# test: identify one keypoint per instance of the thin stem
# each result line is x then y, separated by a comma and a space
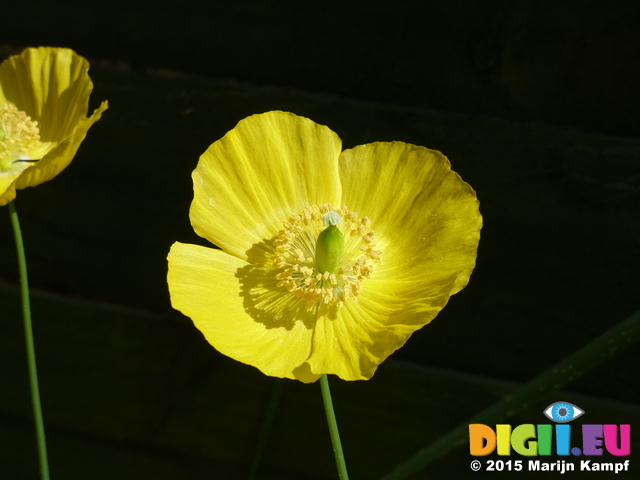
31, 352
333, 428
276, 393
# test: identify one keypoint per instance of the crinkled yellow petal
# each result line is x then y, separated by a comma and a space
7, 180
352, 343
427, 223
55, 161
52, 86
425, 216
250, 181
239, 310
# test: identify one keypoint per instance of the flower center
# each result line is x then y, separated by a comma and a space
323, 255
20, 142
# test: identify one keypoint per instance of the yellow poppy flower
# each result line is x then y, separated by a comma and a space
44, 99
289, 294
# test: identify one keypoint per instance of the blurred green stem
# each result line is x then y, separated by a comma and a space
562, 373
31, 352
276, 393
333, 428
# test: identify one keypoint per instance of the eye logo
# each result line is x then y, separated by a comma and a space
562, 412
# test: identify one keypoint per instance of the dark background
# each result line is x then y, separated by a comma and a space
536, 104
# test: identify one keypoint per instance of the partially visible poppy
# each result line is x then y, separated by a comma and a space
44, 99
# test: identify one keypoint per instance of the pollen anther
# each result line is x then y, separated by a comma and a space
20, 143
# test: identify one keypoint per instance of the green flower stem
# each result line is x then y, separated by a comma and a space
276, 393
31, 352
333, 428
562, 373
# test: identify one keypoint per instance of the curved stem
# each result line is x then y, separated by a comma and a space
333, 428
31, 352
567, 370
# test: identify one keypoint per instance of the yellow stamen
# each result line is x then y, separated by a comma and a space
20, 143
296, 252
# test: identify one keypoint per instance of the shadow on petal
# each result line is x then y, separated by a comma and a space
262, 253
267, 303
304, 373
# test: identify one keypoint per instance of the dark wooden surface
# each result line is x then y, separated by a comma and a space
131, 390
129, 394
558, 61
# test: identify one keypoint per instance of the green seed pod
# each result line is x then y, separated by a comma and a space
330, 245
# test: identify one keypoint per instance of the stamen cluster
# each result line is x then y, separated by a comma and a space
295, 256
19, 136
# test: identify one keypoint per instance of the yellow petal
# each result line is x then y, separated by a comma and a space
355, 341
7, 180
249, 182
239, 310
51, 85
425, 216
55, 161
